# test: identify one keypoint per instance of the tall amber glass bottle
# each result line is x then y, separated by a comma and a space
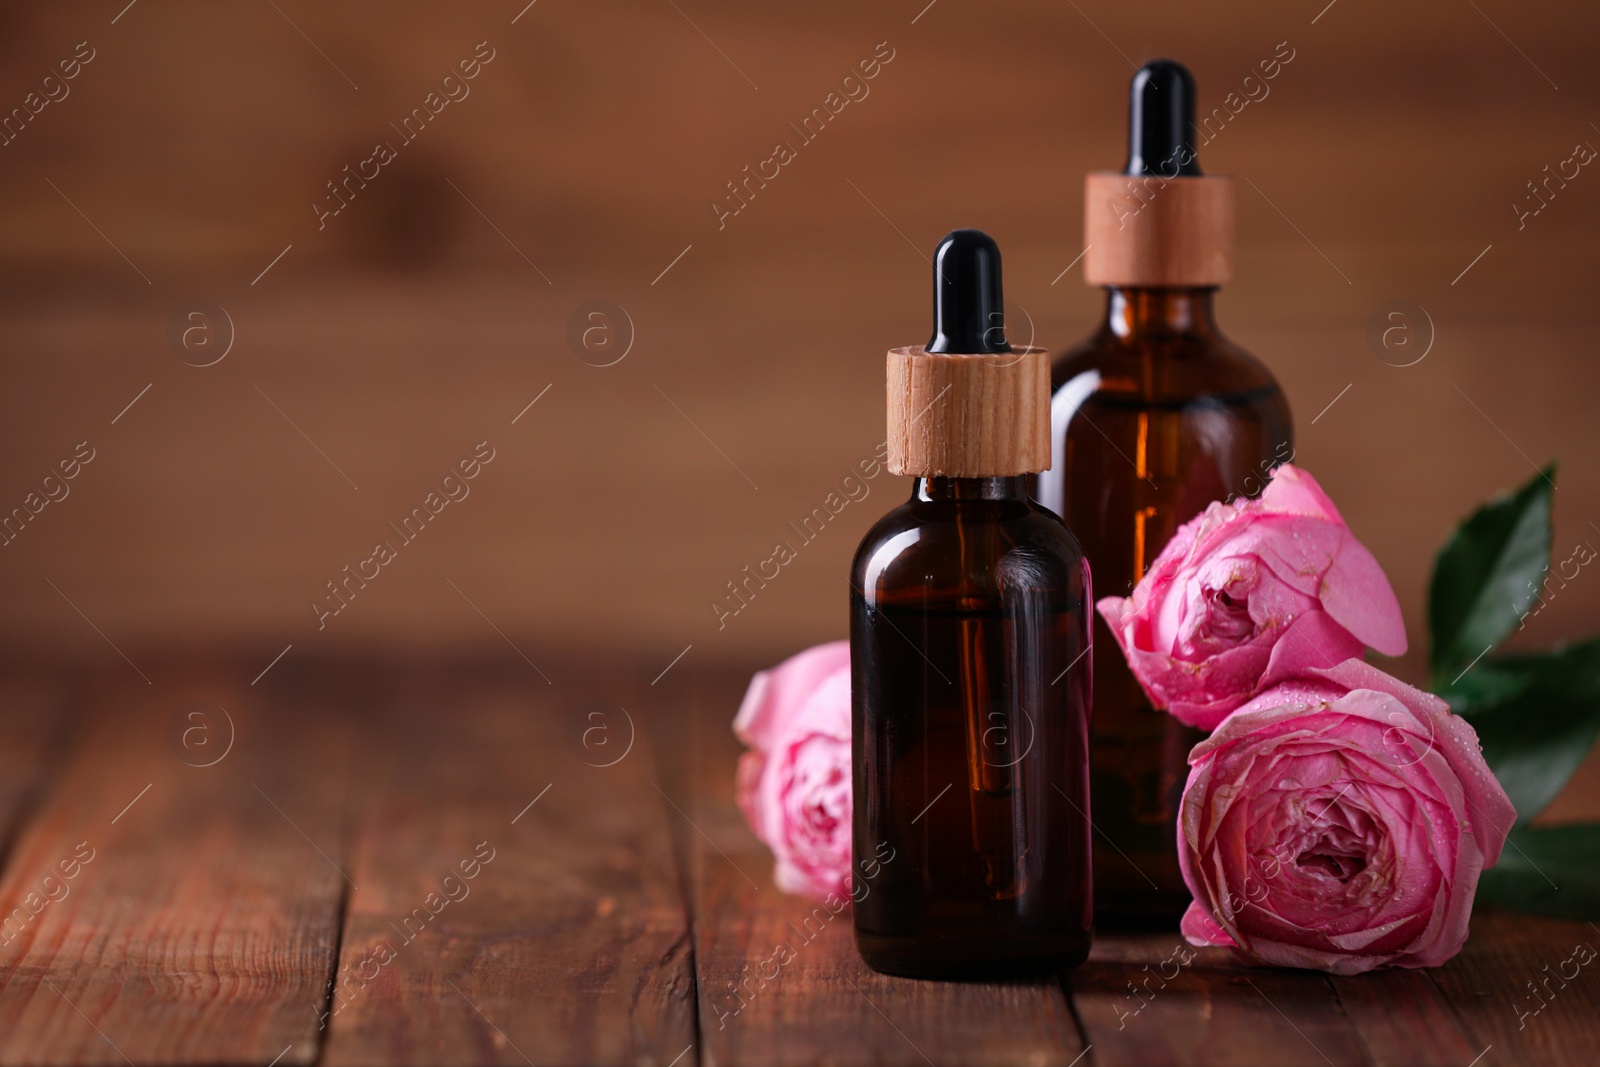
969, 640
1152, 418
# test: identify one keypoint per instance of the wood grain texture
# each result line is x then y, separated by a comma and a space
179, 913
1503, 973
408, 329
1404, 1020
196, 921
1158, 232
518, 900
823, 1005
1141, 1004
969, 416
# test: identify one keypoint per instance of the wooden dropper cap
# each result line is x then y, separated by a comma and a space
967, 404
1160, 223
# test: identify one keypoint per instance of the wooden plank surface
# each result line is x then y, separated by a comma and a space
1152, 999
824, 1005
200, 908
1517, 993
176, 913
1405, 1020
518, 900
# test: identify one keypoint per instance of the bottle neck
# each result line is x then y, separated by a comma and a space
1133, 313
1006, 487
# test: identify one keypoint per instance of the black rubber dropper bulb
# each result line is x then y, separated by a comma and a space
968, 305
1160, 118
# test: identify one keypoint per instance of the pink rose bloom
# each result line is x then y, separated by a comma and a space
1246, 595
1340, 822
794, 785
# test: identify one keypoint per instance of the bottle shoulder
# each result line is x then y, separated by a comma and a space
977, 546
1164, 368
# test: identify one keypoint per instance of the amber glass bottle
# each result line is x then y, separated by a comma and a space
969, 640
1153, 417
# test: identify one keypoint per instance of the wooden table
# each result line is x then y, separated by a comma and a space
459, 862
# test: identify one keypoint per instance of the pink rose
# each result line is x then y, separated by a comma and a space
794, 786
1339, 821
1246, 595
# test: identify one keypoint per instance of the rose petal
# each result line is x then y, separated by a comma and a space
1199, 928
1357, 594
1294, 492
1248, 594
794, 785
775, 695
1340, 821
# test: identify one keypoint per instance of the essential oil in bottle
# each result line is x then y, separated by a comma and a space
1153, 417
969, 647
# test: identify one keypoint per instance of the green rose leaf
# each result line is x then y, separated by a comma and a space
1490, 683
1537, 738
1552, 870
1487, 575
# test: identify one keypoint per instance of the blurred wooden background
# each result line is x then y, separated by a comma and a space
376, 352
